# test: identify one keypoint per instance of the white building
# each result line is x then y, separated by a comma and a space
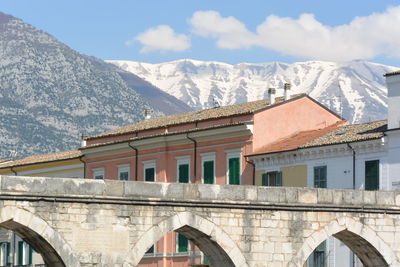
361, 156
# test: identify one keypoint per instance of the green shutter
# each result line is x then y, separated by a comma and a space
149, 175
183, 243
234, 171
184, 173
8, 250
30, 255
20, 252
278, 178
372, 175
264, 181
208, 172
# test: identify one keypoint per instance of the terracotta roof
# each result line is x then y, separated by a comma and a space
335, 134
392, 73
166, 134
297, 140
194, 116
188, 117
72, 154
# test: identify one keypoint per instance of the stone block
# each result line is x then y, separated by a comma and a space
307, 196
325, 195
385, 198
272, 194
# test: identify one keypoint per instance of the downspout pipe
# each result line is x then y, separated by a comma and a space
194, 157
354, 164
136, 160
12, 170
84, 165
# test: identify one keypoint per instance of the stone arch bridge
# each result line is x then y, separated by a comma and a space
80, 223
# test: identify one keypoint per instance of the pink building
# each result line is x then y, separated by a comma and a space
207, 146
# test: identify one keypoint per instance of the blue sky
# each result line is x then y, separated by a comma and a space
220, 30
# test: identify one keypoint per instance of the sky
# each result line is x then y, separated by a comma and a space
231, 31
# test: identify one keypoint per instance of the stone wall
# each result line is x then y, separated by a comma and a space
77, 222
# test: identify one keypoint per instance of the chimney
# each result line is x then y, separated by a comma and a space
393, 85
271, 95
147, 113
286, 88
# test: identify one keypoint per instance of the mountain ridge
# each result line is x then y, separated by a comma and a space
355, 89
50, 94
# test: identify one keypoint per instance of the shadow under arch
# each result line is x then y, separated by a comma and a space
219, 248
55, 251
362, 240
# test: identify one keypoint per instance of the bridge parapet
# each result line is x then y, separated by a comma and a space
199, 194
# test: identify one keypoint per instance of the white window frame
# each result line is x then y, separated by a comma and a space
230, 154
148, 164
208, 156
98, 172
182, 160
124, 168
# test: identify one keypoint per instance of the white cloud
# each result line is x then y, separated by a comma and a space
161, 38
363, 38
229, 32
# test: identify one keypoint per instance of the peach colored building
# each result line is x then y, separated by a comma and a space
207, 146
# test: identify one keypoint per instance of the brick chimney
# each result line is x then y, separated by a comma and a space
271, 95
147, 113
393, 85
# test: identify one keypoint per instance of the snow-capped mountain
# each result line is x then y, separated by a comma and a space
50, 94
356, 89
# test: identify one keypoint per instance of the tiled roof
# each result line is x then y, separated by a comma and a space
392, 73
188, 117
335, 134
297, 140
165, 134
351, 133
194, 116
64, 155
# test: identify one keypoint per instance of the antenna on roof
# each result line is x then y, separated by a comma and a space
215, 102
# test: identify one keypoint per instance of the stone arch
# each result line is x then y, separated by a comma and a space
361, 239
40, 235
212, 240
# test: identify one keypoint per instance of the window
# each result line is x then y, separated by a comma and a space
233, 163
150, 250
123, 172
183, 170
98, 173
182, 243
319, 255
4, 253
24, 253
320, 177
372, 175
272, 178
208, 168
149, 171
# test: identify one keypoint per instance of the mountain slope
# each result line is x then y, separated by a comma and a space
50, 94
356, 89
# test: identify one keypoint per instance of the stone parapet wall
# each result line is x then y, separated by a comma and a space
89, 223
217, 194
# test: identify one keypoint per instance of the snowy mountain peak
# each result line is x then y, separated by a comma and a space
355, 89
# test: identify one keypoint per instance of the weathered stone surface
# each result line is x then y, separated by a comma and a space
113, 223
